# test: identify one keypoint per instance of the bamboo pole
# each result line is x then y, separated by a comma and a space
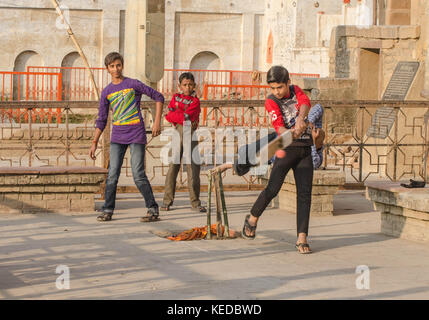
79, 49
209, 205
218, 207
225, 213
106, 135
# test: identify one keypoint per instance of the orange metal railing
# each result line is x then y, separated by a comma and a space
169, 85
37, 86
29, 86
76, 81
234, 116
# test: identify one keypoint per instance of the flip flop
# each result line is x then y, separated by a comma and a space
248, 227
303, 245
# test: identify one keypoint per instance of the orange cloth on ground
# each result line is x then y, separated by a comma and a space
195, 233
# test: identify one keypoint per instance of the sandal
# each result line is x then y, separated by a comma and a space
152, 216
105, 216
303, 245
165, 208
248, 227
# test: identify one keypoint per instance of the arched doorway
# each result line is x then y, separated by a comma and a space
22, 84
73, 77
205, 60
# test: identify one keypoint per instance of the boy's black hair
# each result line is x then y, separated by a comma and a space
278, 74
111, 57
186, 75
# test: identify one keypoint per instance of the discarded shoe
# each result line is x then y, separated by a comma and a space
414, 184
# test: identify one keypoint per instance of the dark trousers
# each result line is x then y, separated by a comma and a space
299, 160
193, 171
117, 153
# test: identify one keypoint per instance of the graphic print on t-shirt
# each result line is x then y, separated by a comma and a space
123, 104
289, 111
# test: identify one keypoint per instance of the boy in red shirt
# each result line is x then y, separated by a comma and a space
184, 106
288, 107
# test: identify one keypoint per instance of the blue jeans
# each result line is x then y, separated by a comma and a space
117, 153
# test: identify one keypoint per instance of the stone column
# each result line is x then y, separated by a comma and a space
247, 41
425, 40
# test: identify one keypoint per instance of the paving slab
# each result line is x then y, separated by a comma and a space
123, 259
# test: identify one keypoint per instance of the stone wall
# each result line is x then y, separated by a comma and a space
391, 43
49, 189
230, 30
33, 26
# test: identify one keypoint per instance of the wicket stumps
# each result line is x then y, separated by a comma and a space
215, 182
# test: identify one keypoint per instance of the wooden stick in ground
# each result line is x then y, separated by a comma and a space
222, 198
79, 49
209, 210
218, 207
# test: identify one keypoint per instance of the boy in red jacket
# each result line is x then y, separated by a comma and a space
184, 106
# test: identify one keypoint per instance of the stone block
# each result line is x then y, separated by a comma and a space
75, 196
11, 196
395, 4
24, 179
36, 179
49, 196
370, 44
32, 189
57, 188
87, 196
37, 196
82, 205
74, 178
58, 205
409, 32
389, 32
87, 178
2, 179
61, 179
387, 44
11, 180
398, 17
9, 188
48, 179
87, 188
36, 204
61, 196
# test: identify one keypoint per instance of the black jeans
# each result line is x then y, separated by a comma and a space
299, 160
117, 153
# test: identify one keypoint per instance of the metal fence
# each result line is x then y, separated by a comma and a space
348, 146
76, 83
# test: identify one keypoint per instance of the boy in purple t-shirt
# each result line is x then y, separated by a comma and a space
123, 96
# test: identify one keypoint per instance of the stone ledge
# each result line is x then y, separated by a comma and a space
404, 211
380, 32
392, 193
49, 170
48, 189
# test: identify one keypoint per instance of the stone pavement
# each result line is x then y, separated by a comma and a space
122, 259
